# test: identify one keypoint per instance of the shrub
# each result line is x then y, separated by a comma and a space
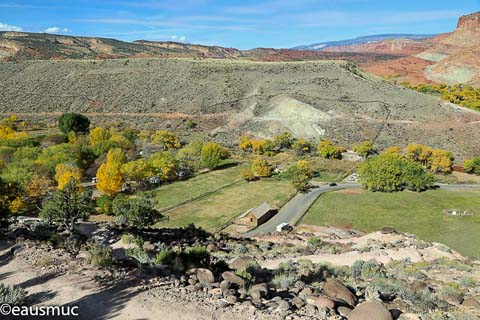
368, 269
12, 295
197, 256
139, 254
314, 242
136, 212
73, 122
247, 174
104, 204
284, 280
165, 257
101, 256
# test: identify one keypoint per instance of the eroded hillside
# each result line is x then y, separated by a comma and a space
228, 98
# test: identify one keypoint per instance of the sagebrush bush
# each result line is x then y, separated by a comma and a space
12, 295
165, 257
139, 254
284, 280
101, 256
314, 242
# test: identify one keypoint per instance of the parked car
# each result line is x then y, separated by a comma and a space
332, 184
94, 180
284, 227
154, 180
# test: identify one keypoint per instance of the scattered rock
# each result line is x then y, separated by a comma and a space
324, 303
203, 275
370, 310
344, 311
233, 278
242, 263
336, 289
471, 303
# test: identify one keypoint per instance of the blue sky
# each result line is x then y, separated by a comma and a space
242, 24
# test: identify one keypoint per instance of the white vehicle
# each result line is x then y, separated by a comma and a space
284, 227
94, 180
154, 180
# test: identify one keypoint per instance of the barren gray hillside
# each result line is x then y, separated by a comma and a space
311, 99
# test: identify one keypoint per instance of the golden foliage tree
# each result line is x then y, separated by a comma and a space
99, 135
442, 161
245, 143
167, 139
419, 153
137, 170
211, 154
65, 171
109, 174
262, 168
304, 167
164, 165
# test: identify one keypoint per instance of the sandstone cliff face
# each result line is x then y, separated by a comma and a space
395, 46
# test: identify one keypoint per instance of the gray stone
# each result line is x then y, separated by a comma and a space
242, 263
233, 278
336, 289
471, 303
370, 310
232, 299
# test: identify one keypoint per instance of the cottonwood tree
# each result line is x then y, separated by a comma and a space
211, 154
109, 174
261, 168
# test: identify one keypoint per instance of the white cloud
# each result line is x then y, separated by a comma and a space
56, 30
7, 27
178, 38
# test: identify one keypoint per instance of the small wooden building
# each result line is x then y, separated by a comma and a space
256, 216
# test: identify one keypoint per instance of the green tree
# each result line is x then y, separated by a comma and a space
283, 141
365, 149
389, 173
67, 206
164, 165
328, 150
472, 165
135, 212
73, 122
211, 154
299, 176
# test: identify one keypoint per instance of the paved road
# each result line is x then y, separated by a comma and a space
298, 206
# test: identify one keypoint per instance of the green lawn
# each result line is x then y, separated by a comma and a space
215, 210
177, 192
417, 213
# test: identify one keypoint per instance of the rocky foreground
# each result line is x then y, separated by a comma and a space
312, 273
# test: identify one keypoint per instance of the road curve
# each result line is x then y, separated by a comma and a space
298, 206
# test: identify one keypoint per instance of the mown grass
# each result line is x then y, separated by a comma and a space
215, 210
417, 213
171, 194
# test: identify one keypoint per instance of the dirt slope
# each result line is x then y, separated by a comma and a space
228, 98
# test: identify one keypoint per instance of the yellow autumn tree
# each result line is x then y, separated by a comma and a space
394, 150
65, 171
137, 170
167, 139
261, 168
419, 153
99, 135
442, 161
304, 167
245, 143
109, 174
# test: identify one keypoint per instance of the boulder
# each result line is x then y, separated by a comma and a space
233, 278
344, 311
204, 276
261, 287
242, 263
370, 310
323, 302
225, 285
337, 290
471, 303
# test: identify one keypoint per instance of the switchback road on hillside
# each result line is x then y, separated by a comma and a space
294, 210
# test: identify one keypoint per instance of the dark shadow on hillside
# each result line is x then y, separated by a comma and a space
39, 280
5, 275
6, 257
41, 297
105, 304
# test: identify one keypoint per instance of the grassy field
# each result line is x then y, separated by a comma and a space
215, 210
417, 213
175, 193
